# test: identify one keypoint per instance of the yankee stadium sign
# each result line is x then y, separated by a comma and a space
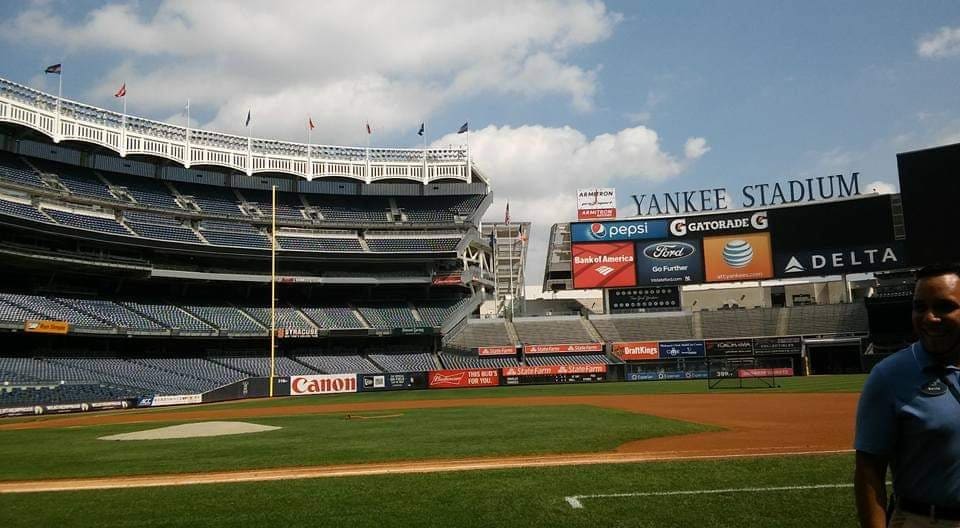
760, 195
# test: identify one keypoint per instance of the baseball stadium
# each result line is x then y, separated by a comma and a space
203, 329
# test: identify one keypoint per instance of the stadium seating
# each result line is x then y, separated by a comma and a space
11, 208
338, 363
566, 359
456, 361
388, 314
61, 394
412, 245
350, 209
50, 309
663, 326
14, 170
170, 316
333, 317
556, 330
77, 180
113, 313
212, 199
226, 318
146, 191
314, 243
97, 224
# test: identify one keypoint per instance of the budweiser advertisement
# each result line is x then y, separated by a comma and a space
323, 384
452, 379
554, 370
637, 350
497, 351
593, 204
563, 349
604, 265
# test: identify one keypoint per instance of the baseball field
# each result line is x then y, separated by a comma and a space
617, 454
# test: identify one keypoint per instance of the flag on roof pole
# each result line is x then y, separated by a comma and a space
420, 132
54, 68
506, 214
464, 128
369, 130
248, 119
122, 92
310, 123
493, 236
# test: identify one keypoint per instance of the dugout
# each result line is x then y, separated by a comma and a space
834, 355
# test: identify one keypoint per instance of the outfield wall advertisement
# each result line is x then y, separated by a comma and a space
509, 350
460, 378
323, 384
393, 381
575, 348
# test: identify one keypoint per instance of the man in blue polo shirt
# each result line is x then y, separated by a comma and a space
908, 417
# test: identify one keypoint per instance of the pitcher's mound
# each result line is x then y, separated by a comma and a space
193, 430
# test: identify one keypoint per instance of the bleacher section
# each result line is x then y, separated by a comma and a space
556, 330
567, 359
639, 328
456, 361
338, 363
827, 319
97, 224
479, 333
740, 323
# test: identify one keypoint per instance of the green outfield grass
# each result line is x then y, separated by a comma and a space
508, 498
324, 439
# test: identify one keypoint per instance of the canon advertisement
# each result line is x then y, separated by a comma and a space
323, 384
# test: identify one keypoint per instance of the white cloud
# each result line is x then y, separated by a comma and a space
539, 169
695, 148
394, 62
879, 187
942, 44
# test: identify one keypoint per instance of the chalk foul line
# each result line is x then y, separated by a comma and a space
576, 501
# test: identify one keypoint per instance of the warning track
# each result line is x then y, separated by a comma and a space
754, 425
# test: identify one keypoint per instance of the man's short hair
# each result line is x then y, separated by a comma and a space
935, 270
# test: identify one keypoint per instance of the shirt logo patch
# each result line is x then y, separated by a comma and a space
933, 388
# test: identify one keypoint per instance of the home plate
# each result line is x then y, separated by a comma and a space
193, 430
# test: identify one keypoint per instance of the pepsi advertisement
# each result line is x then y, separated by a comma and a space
618, 231
669, 262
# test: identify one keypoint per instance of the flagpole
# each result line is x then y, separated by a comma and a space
309, 151
425, 175
469, 165
249, 148
369, 133
56, 137
123, 125
273, 286
187, 156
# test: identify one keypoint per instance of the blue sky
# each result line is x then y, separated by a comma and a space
644, 97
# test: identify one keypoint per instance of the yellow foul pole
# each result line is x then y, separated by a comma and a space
273, 288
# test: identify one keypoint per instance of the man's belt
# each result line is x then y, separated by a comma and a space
949, 513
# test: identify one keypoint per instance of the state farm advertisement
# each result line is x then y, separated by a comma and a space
497, 351
323, 384
593, 204
637, 350
554, 370
563, 349
604, 265
452, 379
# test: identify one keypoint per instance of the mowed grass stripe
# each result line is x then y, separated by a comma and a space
327, 439
522, 497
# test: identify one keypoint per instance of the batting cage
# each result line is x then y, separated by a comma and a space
748, 372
